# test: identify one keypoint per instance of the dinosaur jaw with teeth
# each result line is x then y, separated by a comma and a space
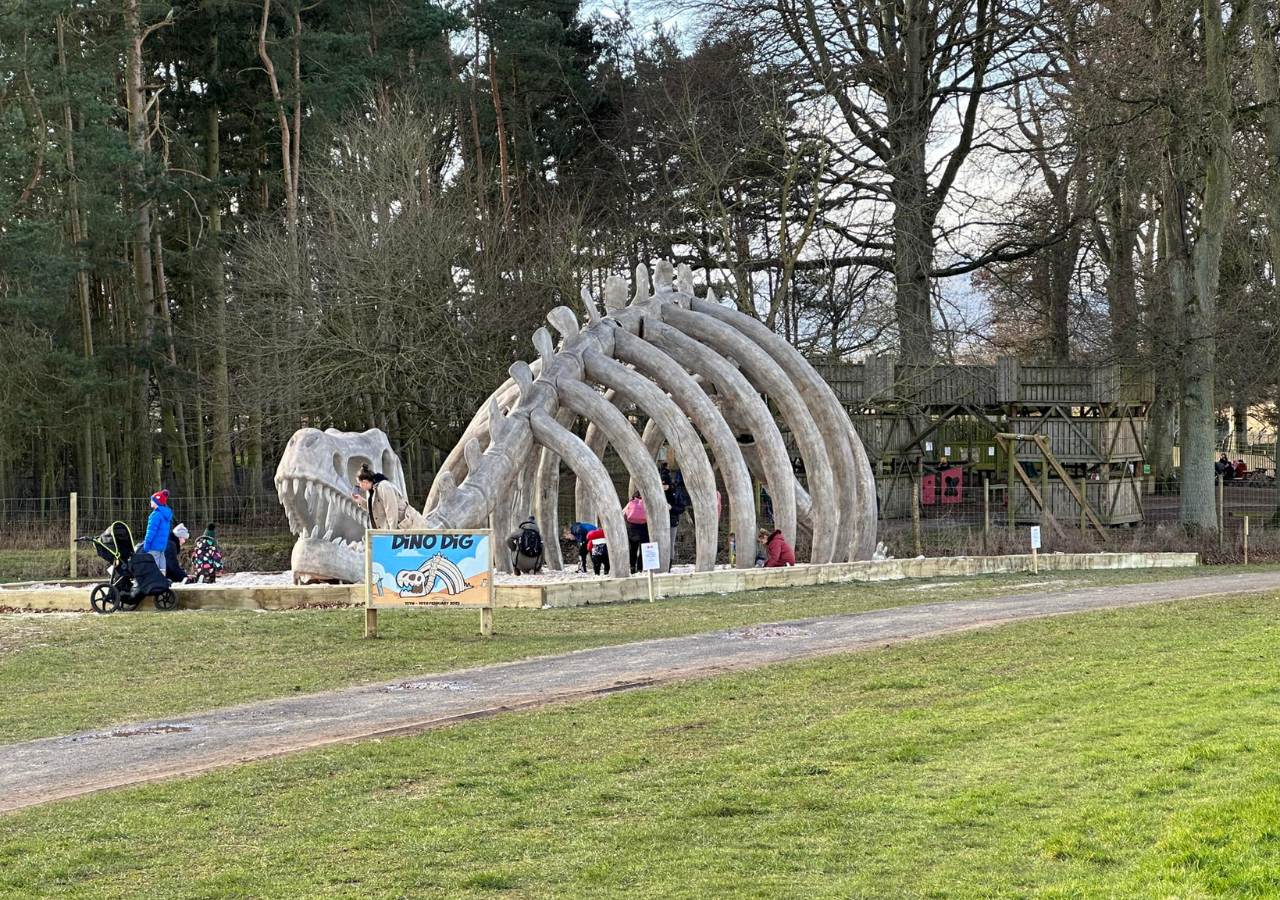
314, 481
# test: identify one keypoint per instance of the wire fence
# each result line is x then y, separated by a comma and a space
36, 534
972, 520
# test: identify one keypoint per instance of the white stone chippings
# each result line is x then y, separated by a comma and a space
499, 449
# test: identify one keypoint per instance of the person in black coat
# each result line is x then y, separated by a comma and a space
173, 568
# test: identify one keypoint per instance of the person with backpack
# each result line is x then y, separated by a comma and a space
598, 549
525, 543
637, 528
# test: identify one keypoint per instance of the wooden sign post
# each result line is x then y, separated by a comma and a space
428, 569
1035, 549
650, 563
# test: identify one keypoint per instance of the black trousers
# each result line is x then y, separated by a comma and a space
637, 534
600, 563
582, 556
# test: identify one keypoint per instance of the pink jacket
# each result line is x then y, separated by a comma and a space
633, 512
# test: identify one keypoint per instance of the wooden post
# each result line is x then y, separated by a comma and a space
486, 621
650, 574
71, 544
1246, 540
916, 537
986, 505
1221, 481
1010, 448
370, 623
1084, 510
1035, 562
1044, 489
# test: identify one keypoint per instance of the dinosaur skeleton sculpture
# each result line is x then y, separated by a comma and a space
697, 370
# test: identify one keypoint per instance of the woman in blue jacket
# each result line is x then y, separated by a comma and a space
156, 540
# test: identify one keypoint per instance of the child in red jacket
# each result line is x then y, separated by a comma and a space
777, 551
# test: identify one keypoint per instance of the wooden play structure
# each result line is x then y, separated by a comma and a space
1047, 444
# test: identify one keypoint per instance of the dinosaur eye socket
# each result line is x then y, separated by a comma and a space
337, 465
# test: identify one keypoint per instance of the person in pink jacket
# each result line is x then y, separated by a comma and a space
637, 528
777, 551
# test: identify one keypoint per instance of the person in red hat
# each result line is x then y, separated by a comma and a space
157, 537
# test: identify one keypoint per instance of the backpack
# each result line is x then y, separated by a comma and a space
529, 543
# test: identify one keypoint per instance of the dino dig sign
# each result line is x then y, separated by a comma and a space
421, 569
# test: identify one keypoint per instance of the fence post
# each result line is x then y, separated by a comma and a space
71, 544
1246, 540
916, 484
986, 505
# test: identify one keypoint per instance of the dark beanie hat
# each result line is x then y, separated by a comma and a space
209, 529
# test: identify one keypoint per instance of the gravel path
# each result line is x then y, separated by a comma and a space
51, 769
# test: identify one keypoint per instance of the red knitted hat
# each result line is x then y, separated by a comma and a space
161, 498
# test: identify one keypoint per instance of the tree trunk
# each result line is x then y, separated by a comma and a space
913, 245
1122, 282
85, 462
221, 475
1240, 423
135, 91
1194, 269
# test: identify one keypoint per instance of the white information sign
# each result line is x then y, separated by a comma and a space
649, 557
1035, 537
928, 446
946, 451
991, 451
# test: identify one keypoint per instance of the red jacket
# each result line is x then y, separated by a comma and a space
592, 536
779, 552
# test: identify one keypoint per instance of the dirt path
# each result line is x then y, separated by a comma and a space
57, 768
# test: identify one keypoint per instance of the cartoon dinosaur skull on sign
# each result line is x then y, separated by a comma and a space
314, 480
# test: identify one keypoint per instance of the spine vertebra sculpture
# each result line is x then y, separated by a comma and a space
698, 371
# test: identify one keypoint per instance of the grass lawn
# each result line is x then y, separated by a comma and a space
1118, 753
64, 673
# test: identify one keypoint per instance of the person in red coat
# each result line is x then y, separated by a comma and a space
598, 550
777, 551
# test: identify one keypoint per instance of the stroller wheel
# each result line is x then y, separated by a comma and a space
104, 599
166, 600
127, 603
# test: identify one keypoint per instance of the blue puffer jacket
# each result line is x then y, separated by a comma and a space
158, 523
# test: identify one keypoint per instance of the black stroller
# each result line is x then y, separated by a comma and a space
131, 574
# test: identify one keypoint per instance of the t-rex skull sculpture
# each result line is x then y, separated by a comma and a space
700, 373
314, 480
